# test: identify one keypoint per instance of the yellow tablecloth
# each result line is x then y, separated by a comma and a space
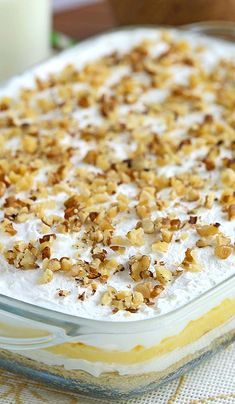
212, 382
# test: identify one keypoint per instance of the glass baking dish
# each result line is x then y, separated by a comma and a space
60, 349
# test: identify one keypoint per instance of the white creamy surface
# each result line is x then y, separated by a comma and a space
23, 285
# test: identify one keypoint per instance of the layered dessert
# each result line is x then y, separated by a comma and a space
117, 202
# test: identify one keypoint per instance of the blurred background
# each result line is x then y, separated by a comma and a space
86, 17
82, 18
62, 4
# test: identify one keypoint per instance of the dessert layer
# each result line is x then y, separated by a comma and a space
191, 333
197, 335
117, 176
121, 383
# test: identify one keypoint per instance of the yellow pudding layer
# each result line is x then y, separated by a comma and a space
191, 333
14, 331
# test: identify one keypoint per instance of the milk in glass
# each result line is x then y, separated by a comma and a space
24, 34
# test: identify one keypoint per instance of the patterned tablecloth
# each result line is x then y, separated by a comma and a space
212, 382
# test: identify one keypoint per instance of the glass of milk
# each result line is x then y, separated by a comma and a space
24, 34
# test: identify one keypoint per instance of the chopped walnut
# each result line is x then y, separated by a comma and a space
148, 226
82, 296
228, 177
64, 293
149, 290
29, 144
65, 264
208, 230
231, 211
192, 195
139, 267
136, 237
193, 219
122, 300
163, 275
46, 252
99, 253
221, 239
209, 200
166, 236
205, 242
46, 277
223, 251
120, 241
8, 227
160, 246
23, 256
143, 211
53, 264
2, 188
190, 262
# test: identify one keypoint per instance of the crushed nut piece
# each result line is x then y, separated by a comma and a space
52, 264
139, 267
122, 300
208, 230
223, 251
2, 188
149, 290
160, 246
136, 237
190, 262
63, 293
231, 211
46, 277
163, 275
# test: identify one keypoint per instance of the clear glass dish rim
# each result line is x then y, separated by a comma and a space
29, 311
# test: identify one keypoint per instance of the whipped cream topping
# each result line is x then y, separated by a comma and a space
141, 118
